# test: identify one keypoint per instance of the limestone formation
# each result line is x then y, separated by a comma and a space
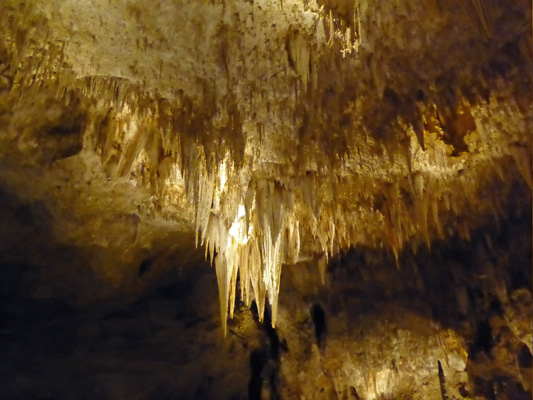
274, 135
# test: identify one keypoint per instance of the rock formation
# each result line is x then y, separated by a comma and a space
357, 173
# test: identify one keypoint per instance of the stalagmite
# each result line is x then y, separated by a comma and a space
442, 382
418, 129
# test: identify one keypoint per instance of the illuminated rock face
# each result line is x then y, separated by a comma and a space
268, 132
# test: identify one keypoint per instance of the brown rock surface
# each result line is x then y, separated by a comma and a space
380, 151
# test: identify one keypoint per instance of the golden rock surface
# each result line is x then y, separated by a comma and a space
269, 132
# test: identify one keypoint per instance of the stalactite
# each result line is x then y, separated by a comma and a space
300, 54
478, 14
331, 29
523, 160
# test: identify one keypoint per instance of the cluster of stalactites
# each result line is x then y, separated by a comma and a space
250, 226
248, 232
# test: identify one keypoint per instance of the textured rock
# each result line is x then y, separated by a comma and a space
270, 133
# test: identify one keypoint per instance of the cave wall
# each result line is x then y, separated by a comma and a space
358, 175
453, 321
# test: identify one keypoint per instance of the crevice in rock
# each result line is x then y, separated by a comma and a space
318, 316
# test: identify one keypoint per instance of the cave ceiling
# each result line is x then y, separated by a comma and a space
266, 132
